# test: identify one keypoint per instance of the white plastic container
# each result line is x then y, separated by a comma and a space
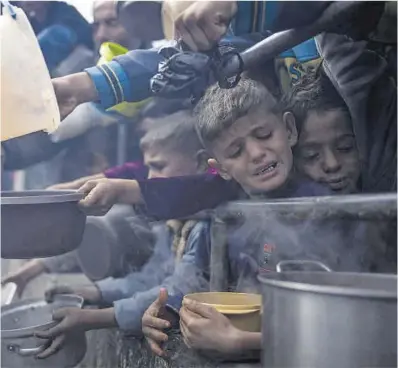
28, 101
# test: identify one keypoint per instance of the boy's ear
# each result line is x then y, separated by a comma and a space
214, 164
290, 123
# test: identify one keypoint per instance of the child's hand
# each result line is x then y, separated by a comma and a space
23, 275
89, 293
101, 195
72, 320
153, 326
75, 184
203, 327
75, 321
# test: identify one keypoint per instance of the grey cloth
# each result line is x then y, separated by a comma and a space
362, 79
135, 237
133, 245
159, 266
63, 263
184, 278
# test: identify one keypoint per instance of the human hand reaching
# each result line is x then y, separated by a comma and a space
89, 293
73, 90
154, 323
204, 23
204, 328
102, 194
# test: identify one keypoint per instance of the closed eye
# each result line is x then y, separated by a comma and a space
236, 152
309, 156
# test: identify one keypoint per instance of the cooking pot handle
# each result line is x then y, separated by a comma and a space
282, 264
26, 352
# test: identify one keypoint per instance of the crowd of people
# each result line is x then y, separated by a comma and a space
319, 119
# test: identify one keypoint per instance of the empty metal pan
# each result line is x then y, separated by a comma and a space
38, 224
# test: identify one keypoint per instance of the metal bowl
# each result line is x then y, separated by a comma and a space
38, 224
19, 345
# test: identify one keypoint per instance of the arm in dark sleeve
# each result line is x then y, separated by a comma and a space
362, 79
29, 149
178, 197
129, 170
281, 15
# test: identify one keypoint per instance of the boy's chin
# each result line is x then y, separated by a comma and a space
268, 186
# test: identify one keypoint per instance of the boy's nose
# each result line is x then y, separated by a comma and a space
331, 163
255, 150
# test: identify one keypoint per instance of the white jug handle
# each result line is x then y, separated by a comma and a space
9, 7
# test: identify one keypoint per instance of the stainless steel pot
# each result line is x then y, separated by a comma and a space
37, 224
327, 319
19, 346
121, 241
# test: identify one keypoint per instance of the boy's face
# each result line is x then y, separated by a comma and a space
256, 151
164, 162
326, 151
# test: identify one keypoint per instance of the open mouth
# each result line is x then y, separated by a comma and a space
266, 169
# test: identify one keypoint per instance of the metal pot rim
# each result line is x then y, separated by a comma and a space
29, 331
317, 287
40, 197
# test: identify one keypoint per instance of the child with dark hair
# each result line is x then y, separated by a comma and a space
326, 151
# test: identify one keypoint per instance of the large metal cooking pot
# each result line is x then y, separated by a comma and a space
37, 224
327, 319
19, 346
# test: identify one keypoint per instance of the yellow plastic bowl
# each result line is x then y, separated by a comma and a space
243, 310
108, 51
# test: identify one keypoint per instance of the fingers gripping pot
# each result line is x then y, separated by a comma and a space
19, 346
329, 319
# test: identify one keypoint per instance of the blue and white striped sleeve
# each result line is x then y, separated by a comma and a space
126, 78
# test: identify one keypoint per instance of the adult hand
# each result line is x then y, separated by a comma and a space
204, 328
153, 324
89, 293
73, 90
204, 23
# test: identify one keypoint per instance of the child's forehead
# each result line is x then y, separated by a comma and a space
254, 119
331, 122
